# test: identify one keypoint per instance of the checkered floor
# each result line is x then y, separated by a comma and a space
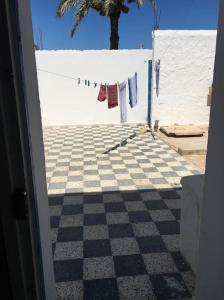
115, 217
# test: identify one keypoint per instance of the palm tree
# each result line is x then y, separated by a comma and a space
109, 8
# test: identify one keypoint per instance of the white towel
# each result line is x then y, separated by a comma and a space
122, 100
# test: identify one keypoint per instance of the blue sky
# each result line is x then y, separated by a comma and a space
135, 27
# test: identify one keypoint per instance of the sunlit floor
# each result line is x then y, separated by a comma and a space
115, 217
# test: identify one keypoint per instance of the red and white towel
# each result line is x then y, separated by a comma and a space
112, 96
102, 93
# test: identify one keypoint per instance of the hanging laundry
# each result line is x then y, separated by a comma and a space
102, 93
157, 70
122, 101
133, 89
112, 95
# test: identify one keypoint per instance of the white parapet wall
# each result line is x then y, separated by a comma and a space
186, 72
64, 102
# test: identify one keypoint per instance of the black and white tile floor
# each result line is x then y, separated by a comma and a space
115, 217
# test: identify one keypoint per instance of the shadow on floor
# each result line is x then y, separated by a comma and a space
119, 245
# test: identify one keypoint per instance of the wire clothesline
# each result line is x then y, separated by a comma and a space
78, 79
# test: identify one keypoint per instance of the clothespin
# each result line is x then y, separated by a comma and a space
88, 83
79, 80
95, 84
85, 82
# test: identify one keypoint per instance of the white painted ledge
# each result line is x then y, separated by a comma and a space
190, 218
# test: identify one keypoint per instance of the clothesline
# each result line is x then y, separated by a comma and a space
110, 92
78, 79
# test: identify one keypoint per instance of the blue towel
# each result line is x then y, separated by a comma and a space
132, 83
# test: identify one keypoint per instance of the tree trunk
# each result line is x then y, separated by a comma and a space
114, 36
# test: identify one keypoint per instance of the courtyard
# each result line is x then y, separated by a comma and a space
115, 217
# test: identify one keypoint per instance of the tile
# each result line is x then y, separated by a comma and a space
129, 265
151, 195
55, 200
73, 199
170, 194
131, 196
161, 215
98, 268
54, 234
96, 232
177, 213
125, 182
68, 250
55, 210
124, 246
168, 227
135, 288
180, 262
69, 290
152, 204
107, 177
58, 185
71, 220
93, 183
190, 281
115, 207
64, 270
117, 218
93, 208
72, 209
169, 286
97, 248
172, 242
94, 219
139, 216
135, 206
120, 230
151, 244
112, 197
101, 289
54, 221
145, 229
159, 263
68, 234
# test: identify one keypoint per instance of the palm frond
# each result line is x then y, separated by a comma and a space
96, 4
65, 5
109, 6
82, 12
138, 2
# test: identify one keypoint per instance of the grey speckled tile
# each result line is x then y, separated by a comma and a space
96, 268
117, 218
145, 229
96, 232
172, 242
162, 215
68, 250
124, 246
72, 290
71, 220
159, 263
135, 288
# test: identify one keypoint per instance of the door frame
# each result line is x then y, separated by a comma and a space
22, 128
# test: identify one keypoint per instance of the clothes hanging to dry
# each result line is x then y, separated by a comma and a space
122, 102
102, 93
112, 95
133, 90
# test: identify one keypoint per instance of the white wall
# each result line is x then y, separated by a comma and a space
63, 102
186, 72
